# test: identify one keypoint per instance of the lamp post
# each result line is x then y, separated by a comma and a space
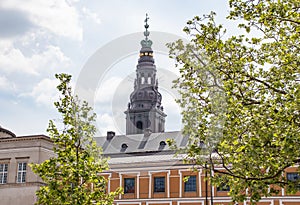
211, 189
206, 187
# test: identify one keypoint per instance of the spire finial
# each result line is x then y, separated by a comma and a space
146, 21
146, 33
146, 42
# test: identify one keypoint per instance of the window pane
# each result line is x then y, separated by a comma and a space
190, 185
20, 166
24, 166
3, 173
129, 185
159, 184
4, 178
223, 187
21, 177
294, 177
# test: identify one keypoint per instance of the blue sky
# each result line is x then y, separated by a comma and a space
41, 38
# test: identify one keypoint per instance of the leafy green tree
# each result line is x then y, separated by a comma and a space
72, 176
241, 96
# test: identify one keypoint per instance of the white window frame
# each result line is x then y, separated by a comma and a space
21, 174
4, 173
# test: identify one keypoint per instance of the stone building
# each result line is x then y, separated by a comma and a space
17, 182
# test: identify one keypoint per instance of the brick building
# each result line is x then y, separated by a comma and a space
150, 174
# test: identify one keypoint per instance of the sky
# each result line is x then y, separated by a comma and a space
97, 42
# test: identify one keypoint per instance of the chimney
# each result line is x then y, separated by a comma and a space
110, 135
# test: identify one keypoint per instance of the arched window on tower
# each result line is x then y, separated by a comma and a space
143, 80
149, 80
139, 126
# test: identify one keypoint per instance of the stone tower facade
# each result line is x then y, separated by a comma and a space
145, 112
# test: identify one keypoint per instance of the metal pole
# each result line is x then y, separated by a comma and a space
206, 186
211, 189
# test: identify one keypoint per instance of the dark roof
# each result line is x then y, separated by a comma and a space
140, 150
140, 144
6, 133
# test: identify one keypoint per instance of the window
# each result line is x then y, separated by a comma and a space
223, 187
151, 94
159, 184
190, 184
294, 177
21, 177
3, 173
129, 185
139, 126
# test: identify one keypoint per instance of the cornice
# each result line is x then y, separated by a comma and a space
26, 138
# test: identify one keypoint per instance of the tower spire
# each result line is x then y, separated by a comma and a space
144, 111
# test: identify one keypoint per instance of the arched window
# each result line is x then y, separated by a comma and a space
139, 126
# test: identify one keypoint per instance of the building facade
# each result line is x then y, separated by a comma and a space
150, 174
142, 164
17, 182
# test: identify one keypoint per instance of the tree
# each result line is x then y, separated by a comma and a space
72, 176
240, 96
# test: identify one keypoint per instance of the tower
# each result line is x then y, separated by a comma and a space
144, 111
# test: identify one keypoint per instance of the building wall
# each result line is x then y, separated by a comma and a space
174, 193
29, 149
36, 149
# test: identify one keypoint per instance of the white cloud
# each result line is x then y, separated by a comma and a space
91, 15
56, 16
105, 123
13, 60
45, 92
72, 1
5, 84
107, 90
